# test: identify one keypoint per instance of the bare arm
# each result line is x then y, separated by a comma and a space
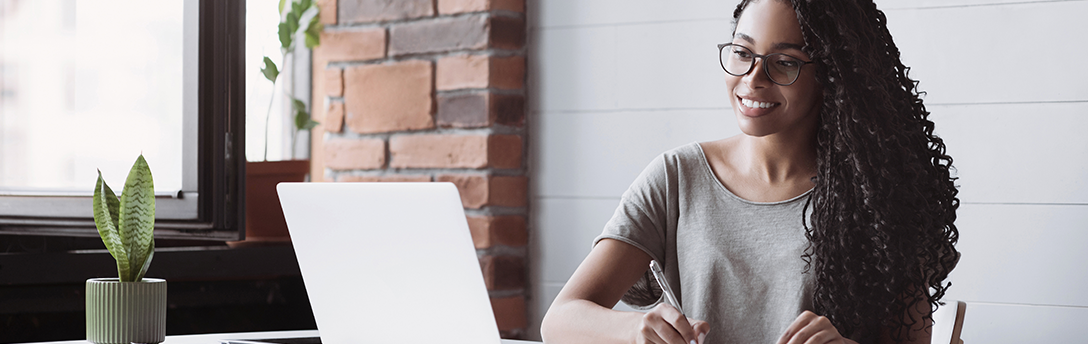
582, 312
810, 328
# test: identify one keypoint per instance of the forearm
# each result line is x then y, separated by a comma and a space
582, 321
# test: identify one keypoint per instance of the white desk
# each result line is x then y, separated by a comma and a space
214, 338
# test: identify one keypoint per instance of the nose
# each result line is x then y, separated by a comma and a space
757, 77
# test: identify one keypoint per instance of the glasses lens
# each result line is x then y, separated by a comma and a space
783, 69
736, 60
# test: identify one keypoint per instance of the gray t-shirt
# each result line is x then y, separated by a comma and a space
733, 263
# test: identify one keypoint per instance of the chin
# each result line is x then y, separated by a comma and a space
749, 128
753, 132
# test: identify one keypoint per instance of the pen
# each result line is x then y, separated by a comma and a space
669, 296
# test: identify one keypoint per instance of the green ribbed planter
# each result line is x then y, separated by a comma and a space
126, 312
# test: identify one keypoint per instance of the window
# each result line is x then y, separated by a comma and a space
80, 90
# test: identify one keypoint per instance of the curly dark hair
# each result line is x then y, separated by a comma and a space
882, 235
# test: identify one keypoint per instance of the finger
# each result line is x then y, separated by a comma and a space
648, 335
818, 331
800, 322
701, 329
679, 322
822, 337
684, 327
803, 334
655, 325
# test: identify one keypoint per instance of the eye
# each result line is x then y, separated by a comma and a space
788, 63
741, 53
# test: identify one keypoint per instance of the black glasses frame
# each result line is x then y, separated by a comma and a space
721, 47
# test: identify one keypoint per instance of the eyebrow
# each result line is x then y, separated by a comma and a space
776, 46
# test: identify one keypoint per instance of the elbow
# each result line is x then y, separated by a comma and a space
553, 327
547, 326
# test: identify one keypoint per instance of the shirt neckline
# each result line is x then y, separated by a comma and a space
710, 174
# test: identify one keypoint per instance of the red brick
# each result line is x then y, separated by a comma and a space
503, 272
389, 97
328, 11
509, 191
463, 6
480, 109
478, 191
438, 35
389, 178
504, 151
507, 33
509, 312
438, 151
480, 71
334, 117
455, 151
509, 5
508, 109
507, 73
474, 189
334, 82
471, 110
352, 45
348, 154
506, 230
366, 11
462, 71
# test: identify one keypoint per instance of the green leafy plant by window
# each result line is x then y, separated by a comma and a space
127, 225
290, 29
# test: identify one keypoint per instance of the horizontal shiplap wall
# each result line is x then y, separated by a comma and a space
613, 83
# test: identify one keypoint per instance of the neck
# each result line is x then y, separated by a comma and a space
777, 159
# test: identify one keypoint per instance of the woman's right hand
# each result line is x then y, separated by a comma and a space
666, 325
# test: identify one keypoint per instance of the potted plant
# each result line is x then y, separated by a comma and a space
264, 217
130, 308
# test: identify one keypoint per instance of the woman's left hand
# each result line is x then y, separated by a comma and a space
810, 328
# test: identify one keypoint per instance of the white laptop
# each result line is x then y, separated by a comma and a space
388, 263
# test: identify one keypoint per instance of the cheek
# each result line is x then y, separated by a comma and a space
809, 94
731, 84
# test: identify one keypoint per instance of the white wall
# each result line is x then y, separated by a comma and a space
615, 82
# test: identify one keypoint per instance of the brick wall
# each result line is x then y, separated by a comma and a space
433, 90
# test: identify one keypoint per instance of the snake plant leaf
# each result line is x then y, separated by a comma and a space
137, 222
270, 71
150, 252
106, 206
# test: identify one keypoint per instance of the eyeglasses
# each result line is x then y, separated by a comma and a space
738, 60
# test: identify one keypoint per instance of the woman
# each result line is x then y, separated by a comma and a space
829, 220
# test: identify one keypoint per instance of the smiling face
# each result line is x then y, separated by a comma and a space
762, 107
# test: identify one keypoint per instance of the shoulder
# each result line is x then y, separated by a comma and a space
690, 154
669, 166
716, 152
678, 168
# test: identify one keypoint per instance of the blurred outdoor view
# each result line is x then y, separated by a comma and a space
262, 40
91, 84
87, 85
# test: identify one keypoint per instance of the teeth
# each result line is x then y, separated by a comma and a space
755, 104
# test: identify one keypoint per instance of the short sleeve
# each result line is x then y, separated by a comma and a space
642, 220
